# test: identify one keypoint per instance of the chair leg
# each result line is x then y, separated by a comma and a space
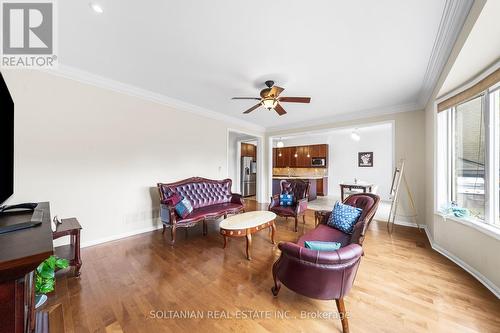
172, 235
343, 315
304, 218
277, 285
205, 228
164, 228
296, 223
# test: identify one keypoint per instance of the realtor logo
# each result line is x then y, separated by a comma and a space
28, 34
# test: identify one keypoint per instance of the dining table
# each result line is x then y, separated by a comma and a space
348, 187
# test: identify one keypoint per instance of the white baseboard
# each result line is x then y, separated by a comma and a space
401, 222
406, 223
471, 270
120, 236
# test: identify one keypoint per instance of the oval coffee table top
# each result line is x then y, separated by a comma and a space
247, 220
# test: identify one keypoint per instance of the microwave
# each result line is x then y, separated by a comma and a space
315, 161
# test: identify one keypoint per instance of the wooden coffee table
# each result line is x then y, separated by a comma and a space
244, 225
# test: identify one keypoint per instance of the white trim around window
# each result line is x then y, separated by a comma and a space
445, 175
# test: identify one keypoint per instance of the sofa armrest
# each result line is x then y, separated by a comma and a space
275, 201
237, 198
347, 254
167, 214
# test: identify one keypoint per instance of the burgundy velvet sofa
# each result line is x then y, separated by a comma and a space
210, 199
326, 275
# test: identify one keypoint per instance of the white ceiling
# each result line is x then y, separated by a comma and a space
481, 49
349, 56
321, 136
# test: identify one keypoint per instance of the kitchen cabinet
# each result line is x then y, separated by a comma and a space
299, 157
249, 150
302, 160
282, 158
293, 156
323, 151
322, 186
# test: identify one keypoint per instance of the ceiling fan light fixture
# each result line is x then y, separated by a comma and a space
280, 144
269, 103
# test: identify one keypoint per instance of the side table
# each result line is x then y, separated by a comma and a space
69, 227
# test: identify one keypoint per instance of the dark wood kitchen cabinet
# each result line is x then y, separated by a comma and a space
293, 156
249, 150
323, 151
302, 160
282, 158
322, 186
299, 157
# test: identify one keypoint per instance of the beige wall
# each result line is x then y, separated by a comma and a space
408, 144
473, 249
98, 154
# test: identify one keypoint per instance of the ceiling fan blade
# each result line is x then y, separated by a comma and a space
279, 109
253, 98
295, 99
252, 108
276, 91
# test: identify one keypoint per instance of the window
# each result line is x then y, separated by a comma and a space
468, 157
469, 154
495, 105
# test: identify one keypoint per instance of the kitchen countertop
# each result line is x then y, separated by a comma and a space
299, 177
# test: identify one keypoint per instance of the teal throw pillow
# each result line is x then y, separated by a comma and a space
184, 208
322, 246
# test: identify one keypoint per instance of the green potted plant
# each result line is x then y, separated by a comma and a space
45, 278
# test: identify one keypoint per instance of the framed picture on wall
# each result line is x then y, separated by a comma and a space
365, 159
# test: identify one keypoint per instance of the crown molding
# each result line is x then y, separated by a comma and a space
454, 15
355, 115
73, 73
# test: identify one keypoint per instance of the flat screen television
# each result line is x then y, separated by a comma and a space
6, 142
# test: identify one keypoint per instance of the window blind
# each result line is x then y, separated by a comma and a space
467, 94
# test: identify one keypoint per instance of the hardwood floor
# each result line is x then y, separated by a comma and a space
402, 285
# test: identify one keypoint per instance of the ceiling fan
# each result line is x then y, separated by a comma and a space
269, 98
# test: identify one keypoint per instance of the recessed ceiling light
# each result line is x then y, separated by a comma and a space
355, 136
96, 7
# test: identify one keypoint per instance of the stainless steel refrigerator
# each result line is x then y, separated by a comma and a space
248, 176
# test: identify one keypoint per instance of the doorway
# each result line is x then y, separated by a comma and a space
341, 164
245, 163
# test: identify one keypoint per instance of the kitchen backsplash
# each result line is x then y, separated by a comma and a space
300, 172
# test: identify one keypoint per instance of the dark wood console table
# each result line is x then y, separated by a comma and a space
21, 252
69, 227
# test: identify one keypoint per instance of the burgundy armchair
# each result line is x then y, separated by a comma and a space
326, 275
300, 191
